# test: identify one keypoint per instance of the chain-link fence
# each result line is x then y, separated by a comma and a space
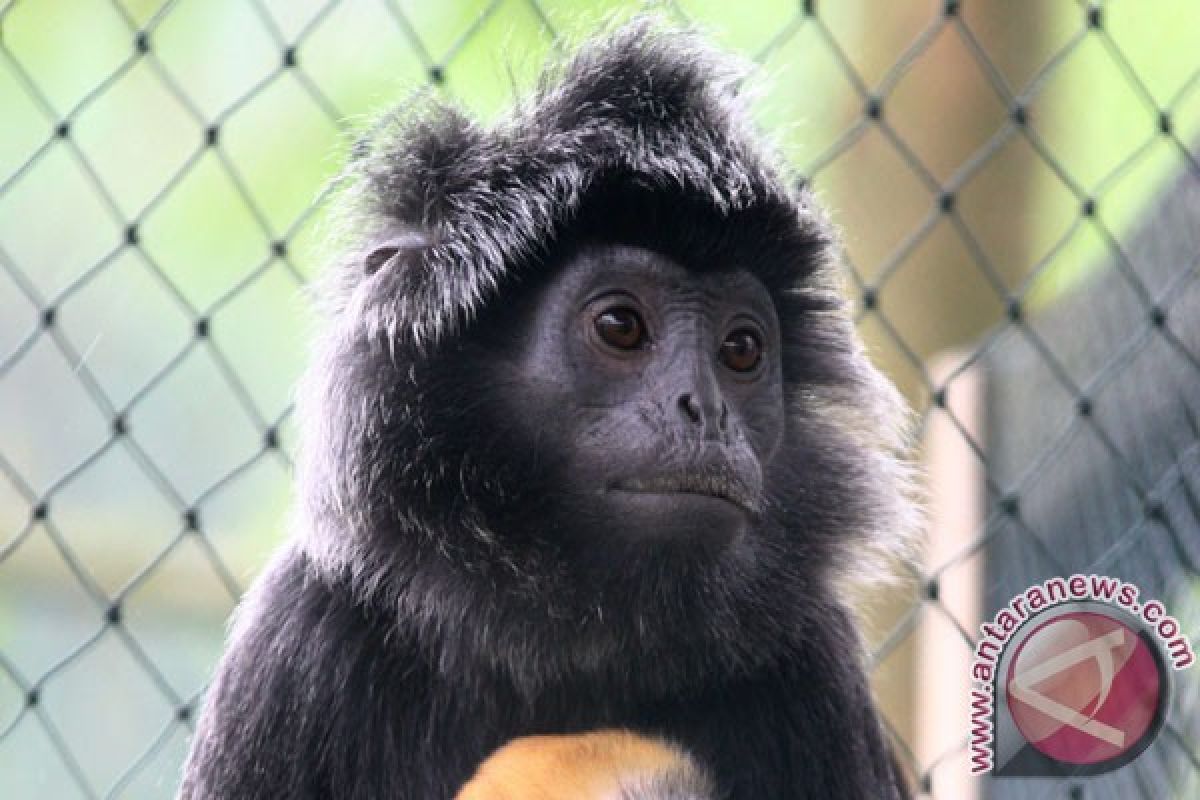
992, 164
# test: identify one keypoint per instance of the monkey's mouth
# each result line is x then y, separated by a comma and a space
719, 484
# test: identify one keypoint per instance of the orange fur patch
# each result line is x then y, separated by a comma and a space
588, 766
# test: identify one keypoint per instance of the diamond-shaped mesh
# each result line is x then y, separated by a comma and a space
1016, 180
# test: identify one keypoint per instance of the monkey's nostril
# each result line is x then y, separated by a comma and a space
695, 411
691, 407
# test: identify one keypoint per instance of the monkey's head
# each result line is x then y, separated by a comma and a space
588, 392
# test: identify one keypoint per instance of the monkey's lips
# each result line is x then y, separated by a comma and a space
718, 483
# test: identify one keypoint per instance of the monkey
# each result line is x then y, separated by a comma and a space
588, 443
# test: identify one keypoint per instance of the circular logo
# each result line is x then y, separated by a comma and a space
1085, 688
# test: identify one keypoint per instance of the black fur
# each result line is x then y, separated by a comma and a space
403, 635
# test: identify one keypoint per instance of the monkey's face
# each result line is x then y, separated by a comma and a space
649, 397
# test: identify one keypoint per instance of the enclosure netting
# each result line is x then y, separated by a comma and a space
1017, 180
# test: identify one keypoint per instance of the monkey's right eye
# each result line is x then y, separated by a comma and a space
621, 328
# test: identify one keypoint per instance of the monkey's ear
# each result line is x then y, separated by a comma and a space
394, 250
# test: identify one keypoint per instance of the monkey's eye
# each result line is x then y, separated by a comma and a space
621, 327
742, 350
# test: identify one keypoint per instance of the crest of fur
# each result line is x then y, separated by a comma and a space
654, 104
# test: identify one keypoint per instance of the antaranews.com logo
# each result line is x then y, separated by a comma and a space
1072, 677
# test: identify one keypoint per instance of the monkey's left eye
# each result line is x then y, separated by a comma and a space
742, 350
621, 328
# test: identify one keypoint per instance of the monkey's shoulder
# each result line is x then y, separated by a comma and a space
299, 621
312, 693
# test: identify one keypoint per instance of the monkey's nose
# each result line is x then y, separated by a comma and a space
710, 413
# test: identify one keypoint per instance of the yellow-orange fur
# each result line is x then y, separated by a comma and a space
589, 766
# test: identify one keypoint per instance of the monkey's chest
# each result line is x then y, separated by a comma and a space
744, 743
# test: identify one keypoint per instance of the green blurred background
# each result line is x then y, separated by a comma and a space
159, 165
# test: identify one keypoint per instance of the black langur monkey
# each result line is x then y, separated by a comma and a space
588, 443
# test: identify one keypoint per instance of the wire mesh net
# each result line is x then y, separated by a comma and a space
160, 174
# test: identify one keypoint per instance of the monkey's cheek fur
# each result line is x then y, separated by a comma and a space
604, 765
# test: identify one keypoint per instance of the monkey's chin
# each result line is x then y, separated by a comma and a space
677, 517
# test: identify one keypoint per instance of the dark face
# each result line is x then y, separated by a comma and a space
649, 395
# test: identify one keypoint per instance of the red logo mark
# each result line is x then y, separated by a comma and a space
1084, 688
